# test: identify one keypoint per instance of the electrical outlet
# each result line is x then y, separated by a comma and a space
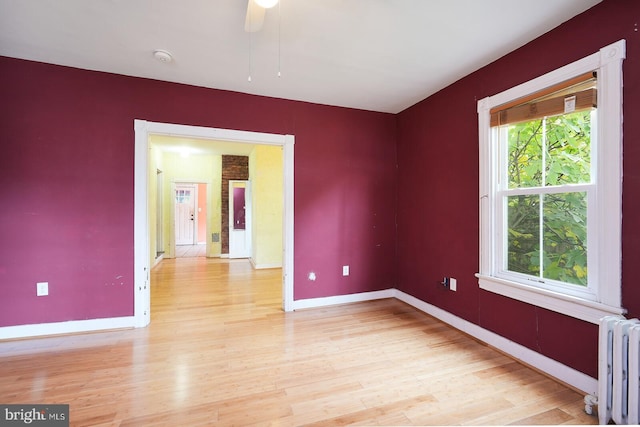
42, 289
453, 284
345, 270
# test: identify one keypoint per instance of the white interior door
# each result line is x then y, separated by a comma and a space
185, 204
239, 219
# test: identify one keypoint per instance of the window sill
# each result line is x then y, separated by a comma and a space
589, 311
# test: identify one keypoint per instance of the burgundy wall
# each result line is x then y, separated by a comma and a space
67, 164
438, 187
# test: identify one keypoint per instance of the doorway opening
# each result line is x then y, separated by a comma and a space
190, 207
143, 129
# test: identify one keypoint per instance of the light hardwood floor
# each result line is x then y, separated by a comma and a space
190, 251
220, 351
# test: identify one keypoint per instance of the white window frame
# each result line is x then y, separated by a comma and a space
604, 294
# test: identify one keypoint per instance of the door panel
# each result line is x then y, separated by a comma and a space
239, 219
184, 214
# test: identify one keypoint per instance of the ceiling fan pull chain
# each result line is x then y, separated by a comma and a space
279, 37
250, 52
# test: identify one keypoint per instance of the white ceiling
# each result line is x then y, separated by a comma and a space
379, 55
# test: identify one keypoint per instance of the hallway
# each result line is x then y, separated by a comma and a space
191, 251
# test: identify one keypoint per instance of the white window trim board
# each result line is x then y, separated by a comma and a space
589, 311
608, 63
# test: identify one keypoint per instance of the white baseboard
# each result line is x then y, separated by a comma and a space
342, 299
264, 266
562, 372
267, 266
158, 260
70, 327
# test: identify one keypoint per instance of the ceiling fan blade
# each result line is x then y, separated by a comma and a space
255, 17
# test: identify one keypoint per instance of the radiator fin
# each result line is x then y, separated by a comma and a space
618, 370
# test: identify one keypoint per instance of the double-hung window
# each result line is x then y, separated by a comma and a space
551, 188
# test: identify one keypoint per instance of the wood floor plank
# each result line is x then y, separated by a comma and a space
220, 351
551, 417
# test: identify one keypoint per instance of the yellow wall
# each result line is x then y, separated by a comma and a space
266, 175
267, 189
204, 168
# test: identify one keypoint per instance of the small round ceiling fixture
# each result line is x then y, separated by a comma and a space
162, 56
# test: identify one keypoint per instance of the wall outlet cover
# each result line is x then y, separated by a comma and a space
42, 289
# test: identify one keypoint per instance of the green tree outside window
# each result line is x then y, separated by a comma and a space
547, 233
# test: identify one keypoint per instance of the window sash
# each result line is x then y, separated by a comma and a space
503, 192
500, 260
555, 189
586, 293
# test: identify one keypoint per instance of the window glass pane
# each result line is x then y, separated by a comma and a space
568, 142
525, 154
239, 220
565, 237
561, 145
523, 234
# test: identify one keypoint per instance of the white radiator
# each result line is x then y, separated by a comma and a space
618, 370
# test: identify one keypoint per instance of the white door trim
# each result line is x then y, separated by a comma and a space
141, 262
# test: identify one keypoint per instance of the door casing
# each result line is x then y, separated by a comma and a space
141, 262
